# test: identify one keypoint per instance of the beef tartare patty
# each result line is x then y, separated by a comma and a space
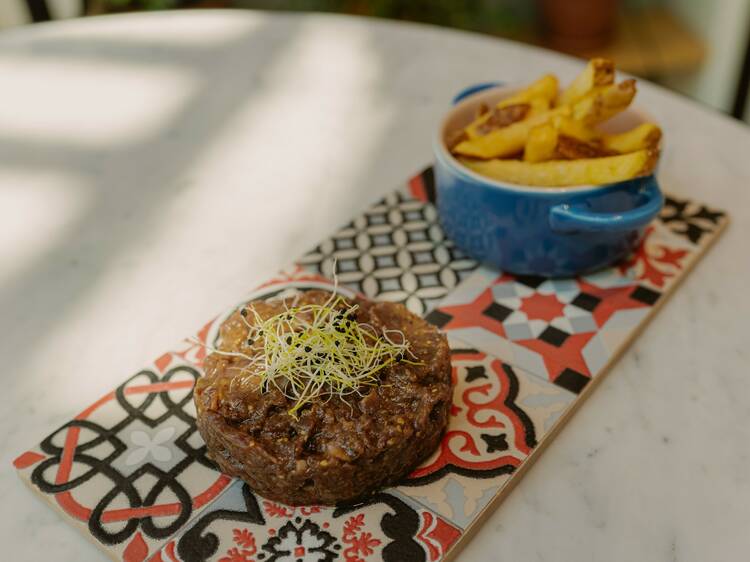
334, 448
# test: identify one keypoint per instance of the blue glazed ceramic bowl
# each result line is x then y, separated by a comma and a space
554, 232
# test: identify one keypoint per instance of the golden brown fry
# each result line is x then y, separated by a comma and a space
545, 88
562, 173
643, 136
536, 98
508, 140
598, 72
504, 114
541, 144
499, 118
575, 129
570, 148
496, 119
604, 102
455, 137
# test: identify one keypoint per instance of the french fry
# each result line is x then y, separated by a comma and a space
540, 136
570, 148
604, 102
643, 136
454, 138
575, 129
541, 144
501, 117
497, 118
545, 88
598, 72
508, 140
563, 173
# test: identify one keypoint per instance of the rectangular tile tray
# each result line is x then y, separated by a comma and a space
130, 471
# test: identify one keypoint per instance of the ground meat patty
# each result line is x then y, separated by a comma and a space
337, 450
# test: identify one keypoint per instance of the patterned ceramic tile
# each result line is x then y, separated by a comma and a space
659, 261
130, 470
499, 414
567, 330
395, 251
242, 527
693, 221
564, 330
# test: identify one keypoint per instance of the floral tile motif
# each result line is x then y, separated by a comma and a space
661, 259
394, 251
564, 330
243, 527
499, 414
130, 470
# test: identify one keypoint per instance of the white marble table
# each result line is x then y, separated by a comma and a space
153, 167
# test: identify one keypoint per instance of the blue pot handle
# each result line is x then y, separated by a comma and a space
466, 92
577, 218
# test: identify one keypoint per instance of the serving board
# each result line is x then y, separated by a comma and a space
130, 471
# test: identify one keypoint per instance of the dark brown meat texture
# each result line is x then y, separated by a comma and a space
338, 450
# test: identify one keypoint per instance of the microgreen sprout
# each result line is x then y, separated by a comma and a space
317, 351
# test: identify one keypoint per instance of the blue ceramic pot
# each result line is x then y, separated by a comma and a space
554, 232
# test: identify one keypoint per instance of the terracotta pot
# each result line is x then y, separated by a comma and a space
578, 24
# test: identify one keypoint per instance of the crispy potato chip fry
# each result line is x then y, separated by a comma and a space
563, 173
508, 140
643, 136
541, 144
598, 72
604, 102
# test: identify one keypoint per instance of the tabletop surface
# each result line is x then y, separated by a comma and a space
155, 167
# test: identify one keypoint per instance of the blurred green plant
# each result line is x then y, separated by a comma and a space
117, 5
490, 16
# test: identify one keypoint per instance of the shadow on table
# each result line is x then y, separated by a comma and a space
106, 169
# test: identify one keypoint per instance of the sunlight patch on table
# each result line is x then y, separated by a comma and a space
36, 211
79, 109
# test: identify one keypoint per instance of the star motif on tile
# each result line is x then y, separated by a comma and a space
567, 354
542, 307
471, 315
612, 300
495, 442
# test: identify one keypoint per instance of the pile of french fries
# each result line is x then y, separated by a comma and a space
543, 137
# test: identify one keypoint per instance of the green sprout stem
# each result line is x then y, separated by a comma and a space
317, 352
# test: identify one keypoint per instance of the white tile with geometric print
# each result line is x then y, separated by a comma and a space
130, 470
243, 527
499, 414
564, 330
